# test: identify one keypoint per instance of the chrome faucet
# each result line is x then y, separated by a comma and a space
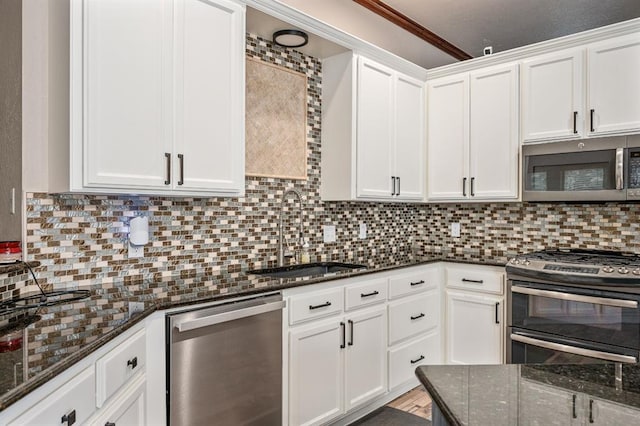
281, 253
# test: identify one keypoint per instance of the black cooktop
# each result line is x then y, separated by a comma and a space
585, 257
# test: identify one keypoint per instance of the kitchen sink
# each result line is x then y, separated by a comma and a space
307, 269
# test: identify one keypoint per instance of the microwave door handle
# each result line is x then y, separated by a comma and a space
619, 303
573, 349
620, 168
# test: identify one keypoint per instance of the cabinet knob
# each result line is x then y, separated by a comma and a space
109, 424
133, 363
69, 418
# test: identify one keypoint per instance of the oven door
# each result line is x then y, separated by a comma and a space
527, 347
583, 314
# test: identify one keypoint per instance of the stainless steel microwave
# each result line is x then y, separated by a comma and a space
602, 169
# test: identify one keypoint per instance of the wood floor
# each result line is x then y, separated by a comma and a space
416, 401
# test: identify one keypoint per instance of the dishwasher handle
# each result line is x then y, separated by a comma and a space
214, 319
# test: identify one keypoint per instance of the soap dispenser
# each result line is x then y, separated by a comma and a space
305, 257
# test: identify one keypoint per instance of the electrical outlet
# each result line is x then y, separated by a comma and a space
135, 307
135, 251
455, 230
329, 233
363, 231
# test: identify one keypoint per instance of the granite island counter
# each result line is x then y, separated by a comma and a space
533, 394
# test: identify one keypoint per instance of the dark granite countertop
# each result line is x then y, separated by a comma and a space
49, 340
526, 394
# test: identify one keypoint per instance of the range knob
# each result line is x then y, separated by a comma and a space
623, 270
526, 262
607, 269
636, 271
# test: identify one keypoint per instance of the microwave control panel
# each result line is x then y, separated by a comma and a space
633, 175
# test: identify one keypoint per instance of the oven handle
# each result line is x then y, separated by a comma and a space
573, 350
620, 303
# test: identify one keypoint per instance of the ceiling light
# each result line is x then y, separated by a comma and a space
290, 38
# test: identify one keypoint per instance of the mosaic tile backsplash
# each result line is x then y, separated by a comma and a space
81, 240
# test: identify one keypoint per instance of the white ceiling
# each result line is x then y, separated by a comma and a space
468, 24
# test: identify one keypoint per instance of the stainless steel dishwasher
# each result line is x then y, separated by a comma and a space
225, 364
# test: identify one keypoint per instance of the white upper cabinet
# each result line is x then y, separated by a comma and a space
473, 135
582, 92
373, 131
448, 137
552, 96
155, 111
410, 139
613, 100
493, 134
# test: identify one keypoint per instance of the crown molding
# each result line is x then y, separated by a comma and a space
574, 40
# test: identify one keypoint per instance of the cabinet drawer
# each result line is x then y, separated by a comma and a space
128, 408
120, 365
416, 315
485, 279
365, 294
316, 305
404, 359
74, 398
414, 282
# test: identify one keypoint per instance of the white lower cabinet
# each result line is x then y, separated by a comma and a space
405, 358
365, 357
473, 328
316, 372
128, 409
343, 353
73, 402
474, 303
343, 361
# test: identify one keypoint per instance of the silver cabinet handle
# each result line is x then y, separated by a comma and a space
229, 316
620, 168
572, 349
620, 303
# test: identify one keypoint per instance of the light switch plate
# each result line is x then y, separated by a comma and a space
363, 231
455, 230
329, 233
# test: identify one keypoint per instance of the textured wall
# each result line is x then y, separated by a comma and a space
10, 117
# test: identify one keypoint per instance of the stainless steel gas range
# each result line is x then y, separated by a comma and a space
573, 306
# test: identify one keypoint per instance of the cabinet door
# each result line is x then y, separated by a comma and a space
493, 134
75, 398
316, 374
546, 405
614, 86
448, 138
410, 139
474, 328
366, 356
209, 96
120, 109
374, 130
127, 409
552, 96
603, 413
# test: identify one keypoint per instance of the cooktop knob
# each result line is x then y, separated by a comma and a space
607, 269
526, 262
623, 270
636, 271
